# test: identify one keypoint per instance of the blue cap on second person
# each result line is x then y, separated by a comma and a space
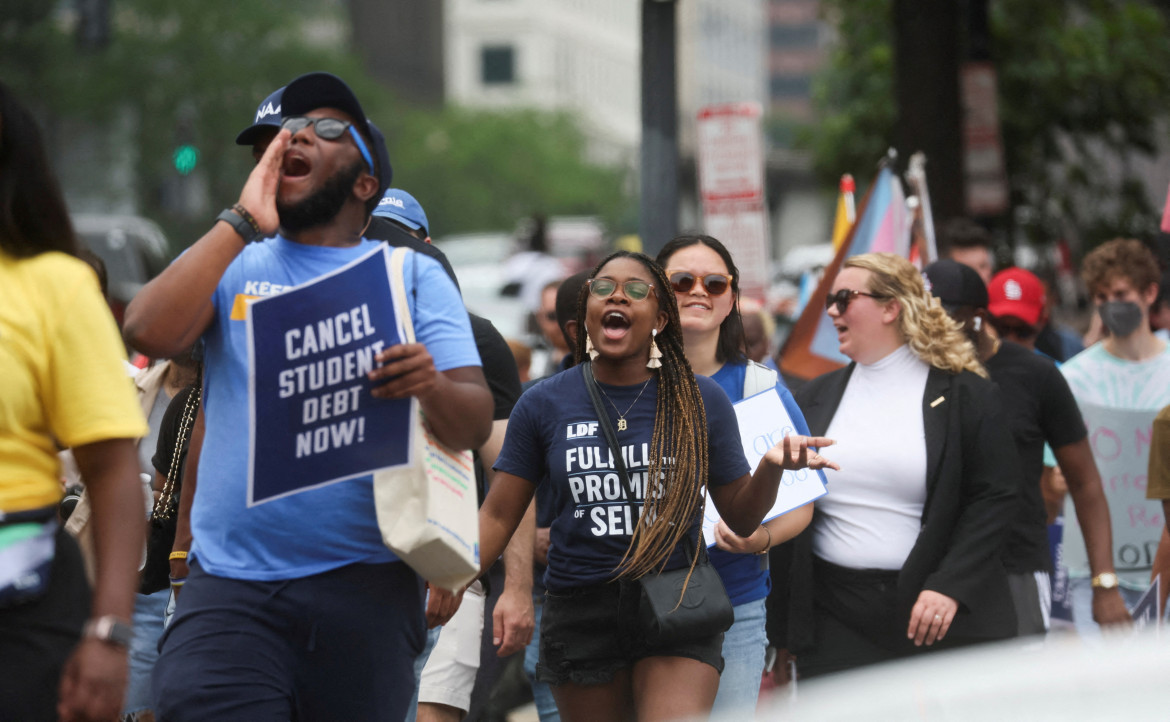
398, 205
267, 116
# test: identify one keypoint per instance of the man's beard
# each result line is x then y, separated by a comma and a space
323, 205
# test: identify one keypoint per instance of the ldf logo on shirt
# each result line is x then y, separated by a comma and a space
581, 430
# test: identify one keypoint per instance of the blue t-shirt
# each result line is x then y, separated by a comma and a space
320, 529
553, 433
746, 575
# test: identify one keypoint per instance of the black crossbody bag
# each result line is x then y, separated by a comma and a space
671, 608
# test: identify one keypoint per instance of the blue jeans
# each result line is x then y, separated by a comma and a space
419, 662
744, 647
148, 627
546, 706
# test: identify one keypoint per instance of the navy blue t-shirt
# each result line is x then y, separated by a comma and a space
553, 433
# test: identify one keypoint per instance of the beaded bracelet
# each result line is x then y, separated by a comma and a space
248, 217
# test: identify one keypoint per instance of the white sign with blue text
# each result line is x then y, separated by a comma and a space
312, 419
763, 423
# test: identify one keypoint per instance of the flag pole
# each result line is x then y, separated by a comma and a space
916, 177
796, 356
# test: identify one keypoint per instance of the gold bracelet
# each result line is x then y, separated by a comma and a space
177, 555
769, 544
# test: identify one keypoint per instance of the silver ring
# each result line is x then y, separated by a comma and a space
938, 616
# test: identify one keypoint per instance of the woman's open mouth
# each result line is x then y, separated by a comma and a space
614, 325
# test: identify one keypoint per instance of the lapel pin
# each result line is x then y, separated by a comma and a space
937, 401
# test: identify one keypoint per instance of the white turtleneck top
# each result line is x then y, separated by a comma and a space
872, 514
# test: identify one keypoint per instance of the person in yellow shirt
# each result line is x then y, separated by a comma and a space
62, 384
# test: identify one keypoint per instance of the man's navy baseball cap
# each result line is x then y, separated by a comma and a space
400, 206
267, 116
325, 90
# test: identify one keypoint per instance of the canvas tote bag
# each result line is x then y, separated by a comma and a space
427, 510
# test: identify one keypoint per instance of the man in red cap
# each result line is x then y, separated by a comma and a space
1016, 302
1038, 408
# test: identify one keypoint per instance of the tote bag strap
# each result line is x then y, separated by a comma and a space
758, 378
398, 291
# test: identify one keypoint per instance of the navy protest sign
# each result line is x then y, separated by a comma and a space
312, 419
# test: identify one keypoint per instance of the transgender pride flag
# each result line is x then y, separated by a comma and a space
883, 226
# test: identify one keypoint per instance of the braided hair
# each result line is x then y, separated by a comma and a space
680, 434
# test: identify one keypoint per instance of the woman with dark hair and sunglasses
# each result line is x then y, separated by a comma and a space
903, 553
63, 382
678, 437
705, 281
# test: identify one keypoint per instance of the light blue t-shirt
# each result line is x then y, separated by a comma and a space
745, 576
320, 529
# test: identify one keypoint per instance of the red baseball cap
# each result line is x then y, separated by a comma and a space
1017, 292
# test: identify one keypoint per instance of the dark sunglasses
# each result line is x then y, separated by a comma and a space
716, 284
844, 297
329, 129
605, 287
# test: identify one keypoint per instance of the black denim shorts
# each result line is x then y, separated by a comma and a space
589, 633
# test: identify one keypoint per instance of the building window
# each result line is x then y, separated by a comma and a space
791, 86
499, 64
794, 36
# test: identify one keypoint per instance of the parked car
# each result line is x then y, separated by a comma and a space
133, 248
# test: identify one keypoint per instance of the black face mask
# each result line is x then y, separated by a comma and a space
1121, 317
323, 205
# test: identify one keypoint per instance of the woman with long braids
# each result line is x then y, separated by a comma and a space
705, 281
903, 552
678, 437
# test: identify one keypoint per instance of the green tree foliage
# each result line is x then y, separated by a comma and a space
478, 170
193, 73
854, 93
1083, 92
188, 73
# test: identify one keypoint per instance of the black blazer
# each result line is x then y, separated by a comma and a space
971, 485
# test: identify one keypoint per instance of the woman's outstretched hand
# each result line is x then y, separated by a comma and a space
800, 452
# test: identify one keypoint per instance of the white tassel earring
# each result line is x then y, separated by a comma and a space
589, 350
655, 361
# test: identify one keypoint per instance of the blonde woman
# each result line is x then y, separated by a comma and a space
902, 554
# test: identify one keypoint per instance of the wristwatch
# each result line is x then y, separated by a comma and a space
242, 221
1105, 580
109, 629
